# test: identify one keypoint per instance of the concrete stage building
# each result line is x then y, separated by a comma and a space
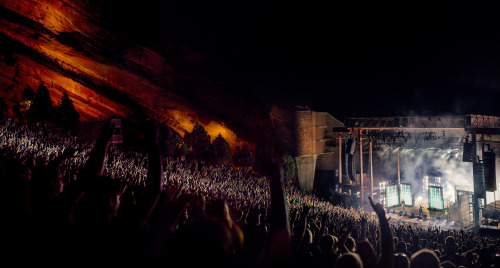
347, 158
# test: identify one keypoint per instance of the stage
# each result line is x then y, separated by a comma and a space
435, 218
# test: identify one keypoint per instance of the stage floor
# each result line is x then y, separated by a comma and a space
435, 218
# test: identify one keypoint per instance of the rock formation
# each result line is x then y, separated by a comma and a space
63, 45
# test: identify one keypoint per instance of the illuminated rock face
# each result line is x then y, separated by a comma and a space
62, 45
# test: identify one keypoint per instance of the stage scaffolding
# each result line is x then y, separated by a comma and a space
433, 132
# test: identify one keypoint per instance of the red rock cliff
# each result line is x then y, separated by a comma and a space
63, 45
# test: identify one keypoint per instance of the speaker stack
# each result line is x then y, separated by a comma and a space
490, 181
468, 155
478, 172
351, 168
351, 146
349, 161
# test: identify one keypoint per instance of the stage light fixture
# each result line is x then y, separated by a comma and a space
392, 195
405, 194
435, 196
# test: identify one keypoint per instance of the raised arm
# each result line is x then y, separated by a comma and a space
68, 153
94, 167
386, 258
324, 224
301, 227
278, 251
363, 228
154, 183
343, 238
280, 224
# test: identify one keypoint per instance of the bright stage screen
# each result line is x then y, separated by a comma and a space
406, 194
436, 197
392, 195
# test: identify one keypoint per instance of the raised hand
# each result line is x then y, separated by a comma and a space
69, 152
363, 220
306, 210
151, 131
350, 227
155, 178
378, 208
386, 258
106, 131
95, 163
269, 163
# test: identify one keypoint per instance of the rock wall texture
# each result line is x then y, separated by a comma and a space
64, 45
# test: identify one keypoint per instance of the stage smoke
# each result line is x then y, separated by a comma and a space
415, 164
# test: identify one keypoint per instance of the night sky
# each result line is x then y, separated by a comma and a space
348, 58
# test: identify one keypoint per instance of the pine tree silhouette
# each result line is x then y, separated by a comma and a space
41, 108
220, 151
199, 141
67, 115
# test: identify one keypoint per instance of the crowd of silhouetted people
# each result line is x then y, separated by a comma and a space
67, 201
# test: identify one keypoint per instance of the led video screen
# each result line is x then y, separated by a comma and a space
436, 197
392, 195
406, 194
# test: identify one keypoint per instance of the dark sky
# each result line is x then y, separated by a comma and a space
348, 58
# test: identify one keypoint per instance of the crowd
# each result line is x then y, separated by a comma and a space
69, 201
